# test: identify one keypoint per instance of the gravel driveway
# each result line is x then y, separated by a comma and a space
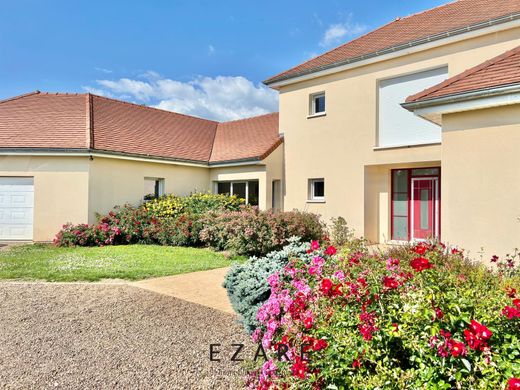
112, 336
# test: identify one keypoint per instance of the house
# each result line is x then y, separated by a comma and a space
66, 157
374, 132
410, 131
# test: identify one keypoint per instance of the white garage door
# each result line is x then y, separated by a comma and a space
16, 208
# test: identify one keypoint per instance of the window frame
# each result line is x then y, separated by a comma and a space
231, 182
312, 104
409, 198
159, 186
311, 197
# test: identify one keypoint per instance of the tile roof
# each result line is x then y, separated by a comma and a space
86, 121
450, 17
240, 139
499, 71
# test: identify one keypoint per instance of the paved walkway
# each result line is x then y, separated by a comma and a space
204, 288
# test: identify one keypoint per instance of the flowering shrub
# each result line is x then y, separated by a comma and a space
414, 317
252, 232
198, 203
247, 284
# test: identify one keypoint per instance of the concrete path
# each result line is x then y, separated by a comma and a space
204, 288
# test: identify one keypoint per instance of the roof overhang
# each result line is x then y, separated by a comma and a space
426, 43
433, 109
84, 152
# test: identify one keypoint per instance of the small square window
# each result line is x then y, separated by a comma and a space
317, 189
317, 103
153, 188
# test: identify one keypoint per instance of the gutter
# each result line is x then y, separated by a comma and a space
84, 152
462, 97
396, 48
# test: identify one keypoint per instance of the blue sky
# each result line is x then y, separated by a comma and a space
205, 58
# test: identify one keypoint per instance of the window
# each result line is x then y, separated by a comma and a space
317, 104
316, 189
153, 188
247, 190
398, 126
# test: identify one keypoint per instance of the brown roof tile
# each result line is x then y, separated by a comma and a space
85, 121
499, 71
245, 138
443, 19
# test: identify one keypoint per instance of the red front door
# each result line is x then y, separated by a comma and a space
423, 221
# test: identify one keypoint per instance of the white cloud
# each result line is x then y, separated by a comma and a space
338, 31
220, 98
103, 70
211, 50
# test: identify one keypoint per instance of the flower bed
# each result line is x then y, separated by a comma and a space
414, 317
218, 221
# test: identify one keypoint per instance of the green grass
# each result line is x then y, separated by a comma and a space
47, 262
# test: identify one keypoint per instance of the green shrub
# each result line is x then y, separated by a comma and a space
196, 204
182, 230
416, 317
252, 232
247, 285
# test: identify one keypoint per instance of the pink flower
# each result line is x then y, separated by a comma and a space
315, 245
318, 261
511, 312
340, 275
392, 264
273, 280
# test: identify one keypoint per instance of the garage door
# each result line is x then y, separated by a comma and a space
16, 208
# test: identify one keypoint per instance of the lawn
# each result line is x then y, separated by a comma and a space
47, 262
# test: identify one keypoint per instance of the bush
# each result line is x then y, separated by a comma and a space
247, 285
179, 231
252, 232
196, 204
416, 317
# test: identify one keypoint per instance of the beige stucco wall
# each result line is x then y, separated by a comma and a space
60, 190
265, 171
340, 145
117, 181
481, 180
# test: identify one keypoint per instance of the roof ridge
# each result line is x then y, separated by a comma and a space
152, 108
466, 73
35, 92
250, 117
428, 10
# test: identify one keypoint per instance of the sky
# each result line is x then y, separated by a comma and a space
202, 58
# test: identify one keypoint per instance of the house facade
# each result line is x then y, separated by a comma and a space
66, 157
411, 131
352, 149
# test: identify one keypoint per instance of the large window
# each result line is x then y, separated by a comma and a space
153, 187
247, 190
398, 126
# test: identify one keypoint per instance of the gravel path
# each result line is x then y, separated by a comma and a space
112, 336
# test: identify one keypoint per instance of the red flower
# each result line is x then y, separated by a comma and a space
516, 302
299, 368
420, 264
511, 312
330, 250
457, 348
438, 313
315, 245
390, 282
326, 286
308, 322
494, 258
480, 330
356, 364
420, 249
471, 339
396, 327
511, 292
320, 344
513, 384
